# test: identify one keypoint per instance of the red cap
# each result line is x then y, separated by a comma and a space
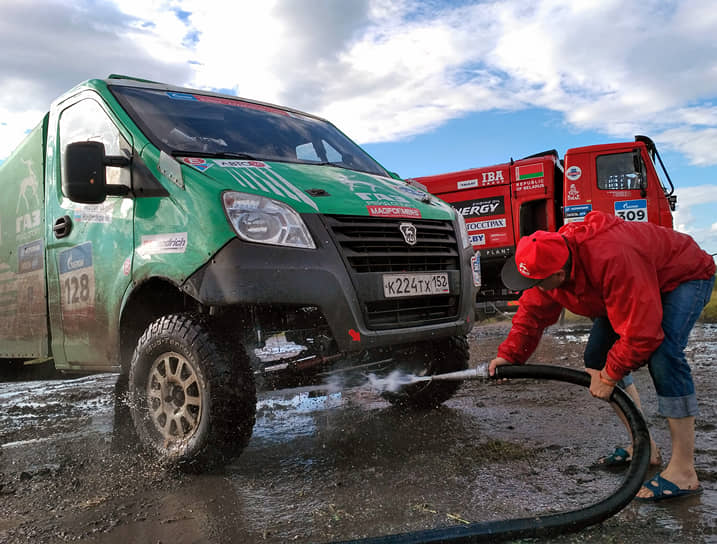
537, 256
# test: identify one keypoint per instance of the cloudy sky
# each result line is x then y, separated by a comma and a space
427, 86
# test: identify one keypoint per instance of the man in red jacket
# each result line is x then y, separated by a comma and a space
645, 285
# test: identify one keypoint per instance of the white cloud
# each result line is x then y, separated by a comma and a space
693, 205
384, 70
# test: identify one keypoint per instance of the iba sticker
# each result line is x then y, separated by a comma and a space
573, 173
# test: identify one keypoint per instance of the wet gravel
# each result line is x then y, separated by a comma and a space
348, 465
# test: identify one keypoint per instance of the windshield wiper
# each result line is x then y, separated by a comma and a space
212, 154
329, 163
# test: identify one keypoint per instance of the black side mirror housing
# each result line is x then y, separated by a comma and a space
85, 180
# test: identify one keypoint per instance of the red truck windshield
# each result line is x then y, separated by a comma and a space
193, 124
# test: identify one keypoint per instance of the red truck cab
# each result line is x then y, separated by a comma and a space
503, 202
620, 179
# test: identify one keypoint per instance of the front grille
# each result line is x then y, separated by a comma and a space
377, 245
410, 312
373, 246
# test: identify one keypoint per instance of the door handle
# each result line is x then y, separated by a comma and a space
62, 226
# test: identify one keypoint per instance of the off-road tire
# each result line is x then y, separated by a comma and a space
192, 393
427, 358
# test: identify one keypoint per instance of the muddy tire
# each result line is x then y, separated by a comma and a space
192, 395
424, 359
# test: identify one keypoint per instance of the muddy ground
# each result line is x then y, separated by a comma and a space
348, 465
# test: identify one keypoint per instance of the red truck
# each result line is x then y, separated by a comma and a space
503, 202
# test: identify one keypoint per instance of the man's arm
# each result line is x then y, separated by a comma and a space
536, 310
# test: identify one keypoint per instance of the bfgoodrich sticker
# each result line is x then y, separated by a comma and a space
155, 244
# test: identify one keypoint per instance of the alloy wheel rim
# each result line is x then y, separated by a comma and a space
174, 397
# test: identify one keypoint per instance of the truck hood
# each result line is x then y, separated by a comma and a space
325, 189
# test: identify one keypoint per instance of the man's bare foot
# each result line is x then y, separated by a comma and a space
663, 486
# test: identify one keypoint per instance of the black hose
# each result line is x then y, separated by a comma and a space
551, 524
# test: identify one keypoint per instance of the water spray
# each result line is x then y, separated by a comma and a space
535, 526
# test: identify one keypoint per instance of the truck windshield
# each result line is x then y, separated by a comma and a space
189, 124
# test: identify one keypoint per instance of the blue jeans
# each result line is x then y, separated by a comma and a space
668, 366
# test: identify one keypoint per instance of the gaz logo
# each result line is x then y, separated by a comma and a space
409, 233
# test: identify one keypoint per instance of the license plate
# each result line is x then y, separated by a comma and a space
408, 285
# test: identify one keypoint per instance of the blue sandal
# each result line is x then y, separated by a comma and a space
665, 489
618, 458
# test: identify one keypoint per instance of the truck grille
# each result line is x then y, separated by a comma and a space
373, 246
377, 245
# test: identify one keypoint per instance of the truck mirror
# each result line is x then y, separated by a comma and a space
84, 180
637, 162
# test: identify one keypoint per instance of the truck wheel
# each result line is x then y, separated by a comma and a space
192, 396
424, 359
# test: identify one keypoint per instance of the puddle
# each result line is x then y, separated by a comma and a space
346, 464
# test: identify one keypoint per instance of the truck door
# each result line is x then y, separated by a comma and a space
622, 186
89, 247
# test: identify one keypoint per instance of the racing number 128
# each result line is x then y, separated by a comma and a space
77, 289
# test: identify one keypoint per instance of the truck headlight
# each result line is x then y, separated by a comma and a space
465, 240
266, 221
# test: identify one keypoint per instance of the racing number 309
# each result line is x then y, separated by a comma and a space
77, 289
632, 215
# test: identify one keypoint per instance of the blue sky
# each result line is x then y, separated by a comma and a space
426, 87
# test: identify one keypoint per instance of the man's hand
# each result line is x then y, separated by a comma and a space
599, 388
498, 361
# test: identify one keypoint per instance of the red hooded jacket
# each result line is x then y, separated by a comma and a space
619, 270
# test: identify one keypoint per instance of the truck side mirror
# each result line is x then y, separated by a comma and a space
637, 162
84, 179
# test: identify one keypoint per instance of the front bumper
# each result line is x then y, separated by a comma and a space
245, 274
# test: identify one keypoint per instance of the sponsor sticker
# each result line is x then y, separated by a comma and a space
573, 173
239, 104
181, 96
573, 193
155, 244
487, 224
477, 239
233, 163
413, 192
481, 207
572, 214
197, 163
93, 214
475, 267
393, 211
30, 257
632, 210
468, 183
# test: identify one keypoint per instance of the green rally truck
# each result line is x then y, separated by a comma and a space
206, 246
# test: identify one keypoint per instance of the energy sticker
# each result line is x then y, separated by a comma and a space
77, 282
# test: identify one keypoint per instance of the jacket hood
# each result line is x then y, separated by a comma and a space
593, 224
326, 189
